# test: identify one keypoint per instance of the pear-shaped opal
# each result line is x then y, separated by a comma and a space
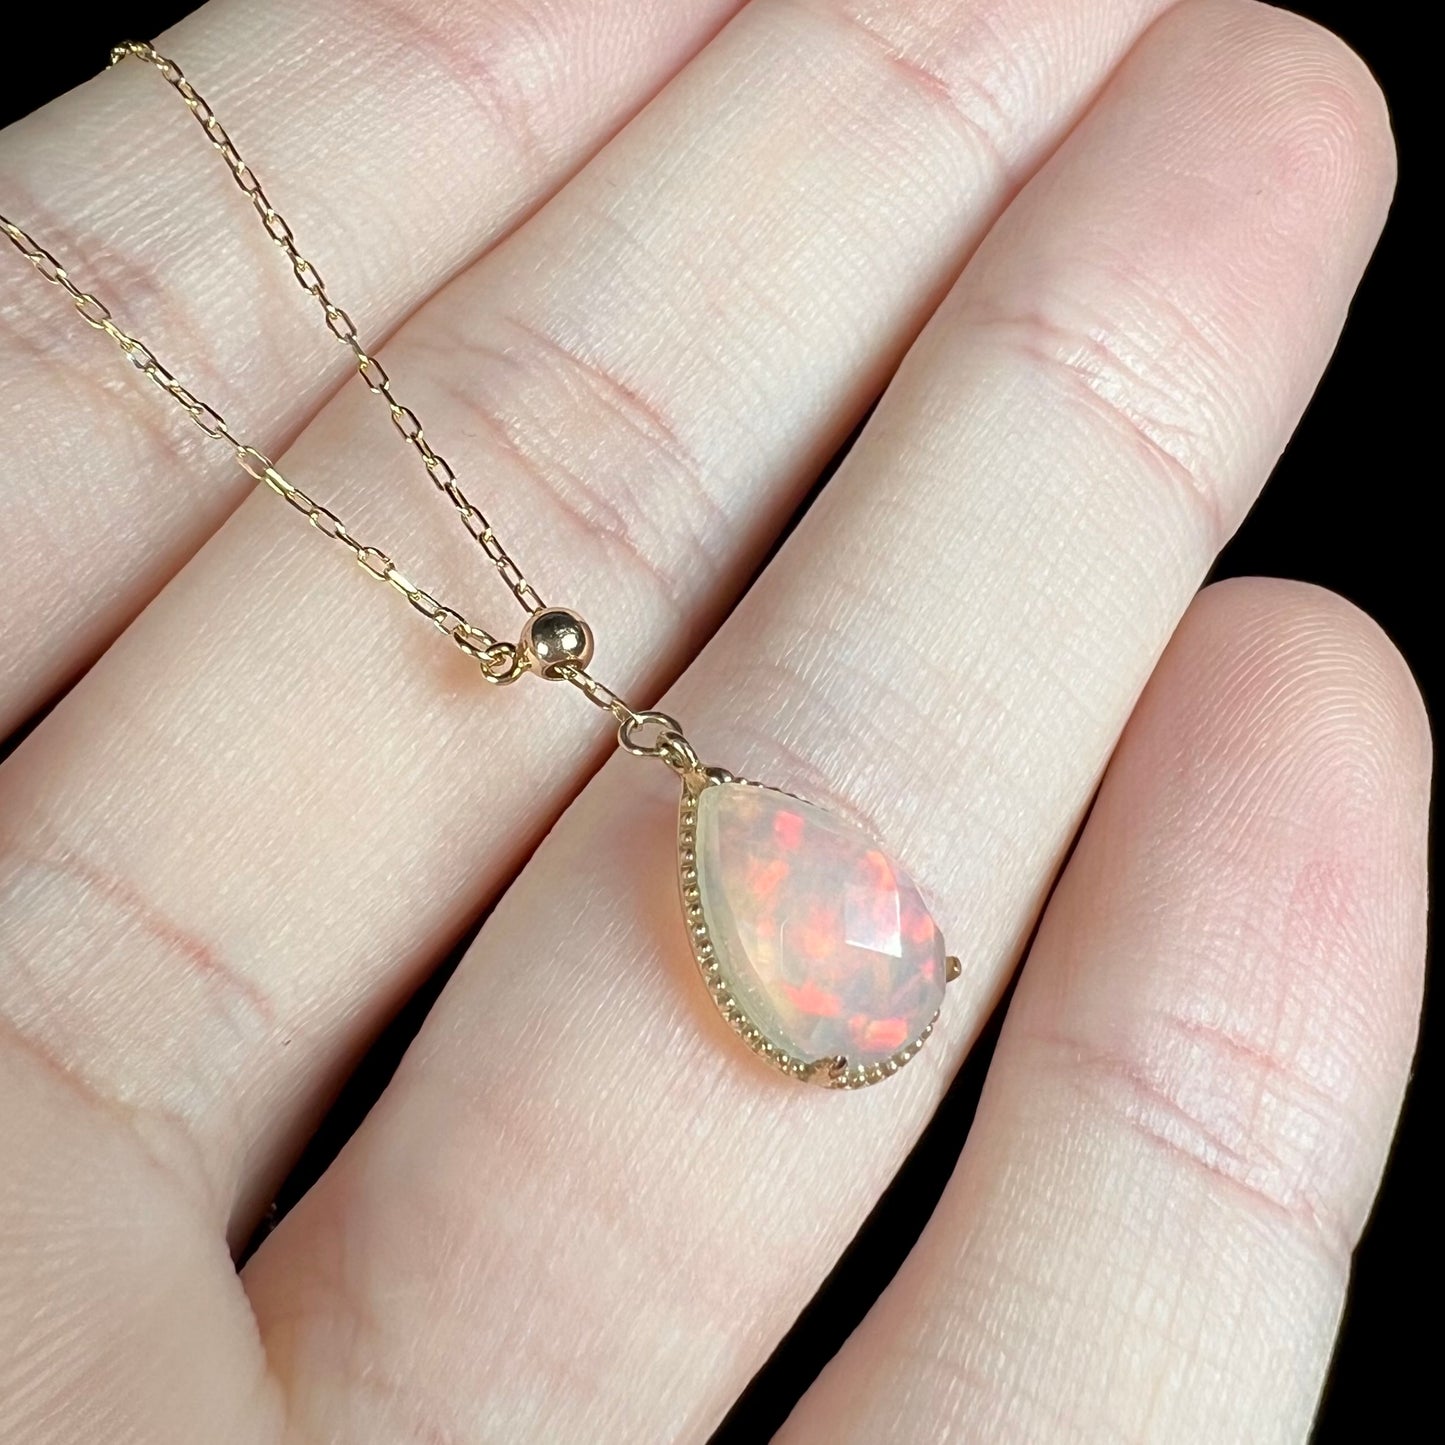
822, 938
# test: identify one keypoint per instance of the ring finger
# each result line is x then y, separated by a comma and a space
949, 644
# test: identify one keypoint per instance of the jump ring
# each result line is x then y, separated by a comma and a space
669, 730
670, 745
501, 663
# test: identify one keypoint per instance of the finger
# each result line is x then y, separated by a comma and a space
398, 147
358, 790
1149, 1233
947, 646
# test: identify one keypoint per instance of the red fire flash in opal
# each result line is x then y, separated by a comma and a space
822, 938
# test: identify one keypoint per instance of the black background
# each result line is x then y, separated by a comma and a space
1346, 508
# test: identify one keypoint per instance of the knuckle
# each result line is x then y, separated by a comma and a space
1225, 1109
964, 61
566, 420
1140, 387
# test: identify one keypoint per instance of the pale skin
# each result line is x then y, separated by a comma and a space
641, 268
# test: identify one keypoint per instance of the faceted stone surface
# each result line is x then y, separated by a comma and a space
822, 938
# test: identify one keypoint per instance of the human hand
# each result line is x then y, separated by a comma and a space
580, 1212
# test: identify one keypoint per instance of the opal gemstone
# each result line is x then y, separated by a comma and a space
821, 936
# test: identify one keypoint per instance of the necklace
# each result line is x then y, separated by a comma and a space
813, 943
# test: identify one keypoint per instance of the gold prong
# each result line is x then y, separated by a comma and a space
829, 1072
952, 968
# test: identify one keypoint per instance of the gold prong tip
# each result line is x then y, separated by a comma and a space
952, 968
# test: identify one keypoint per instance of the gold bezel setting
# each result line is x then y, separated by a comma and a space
835, 1072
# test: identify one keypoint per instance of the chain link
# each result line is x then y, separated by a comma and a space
338, 322
500, 661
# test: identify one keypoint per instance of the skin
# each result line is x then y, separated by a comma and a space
1094, 255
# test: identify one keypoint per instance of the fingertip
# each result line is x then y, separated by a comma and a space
1303, 652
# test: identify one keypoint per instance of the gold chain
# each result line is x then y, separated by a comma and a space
500, 661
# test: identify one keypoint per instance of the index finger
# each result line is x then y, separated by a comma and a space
401, 148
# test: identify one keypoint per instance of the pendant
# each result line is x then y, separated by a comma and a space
814, 944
